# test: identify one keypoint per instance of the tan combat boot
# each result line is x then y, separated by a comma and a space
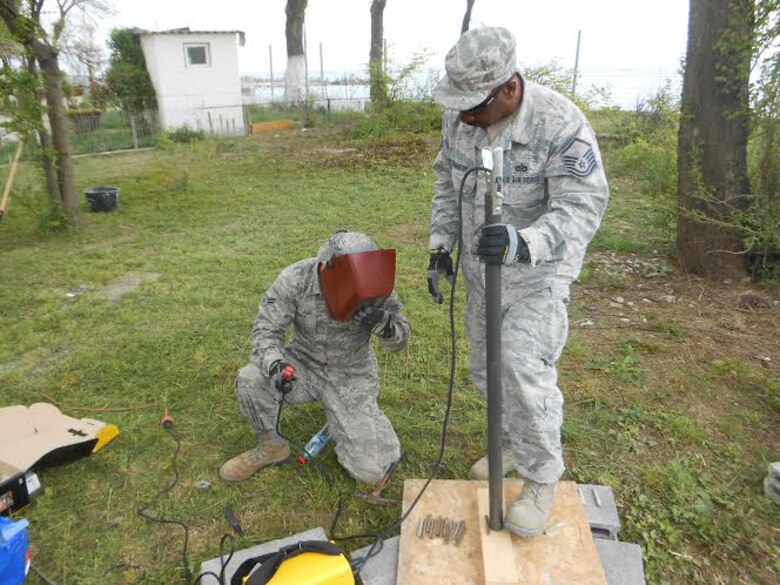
243, 466
531, 510
479, 471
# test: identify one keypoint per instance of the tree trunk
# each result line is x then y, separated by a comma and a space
55, 106
24, 29
467, 16
49, 170
712, 141
376, 72
295, 74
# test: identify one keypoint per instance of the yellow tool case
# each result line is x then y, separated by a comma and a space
309, 562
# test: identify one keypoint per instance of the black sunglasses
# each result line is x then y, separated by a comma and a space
482, 106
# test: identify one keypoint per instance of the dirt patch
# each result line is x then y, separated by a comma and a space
714, 321
126, 283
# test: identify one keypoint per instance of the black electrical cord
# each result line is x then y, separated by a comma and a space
313, 460
435, 470
144, 513
44, 579
144, 510
125, 566
321, 470
223, 562
377, 545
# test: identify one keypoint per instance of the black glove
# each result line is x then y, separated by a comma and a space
500, 243
439, 265
378, 320
282, 376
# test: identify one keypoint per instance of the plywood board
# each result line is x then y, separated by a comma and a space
498, 554
272, 126
565, 554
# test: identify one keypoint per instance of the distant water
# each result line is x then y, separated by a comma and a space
348, 91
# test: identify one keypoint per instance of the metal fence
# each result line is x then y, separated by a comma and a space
112, 130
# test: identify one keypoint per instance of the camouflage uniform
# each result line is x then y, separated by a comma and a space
334, 363
555, 195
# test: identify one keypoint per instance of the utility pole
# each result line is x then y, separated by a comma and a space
322, 74
271, 64
306, 60
576, 64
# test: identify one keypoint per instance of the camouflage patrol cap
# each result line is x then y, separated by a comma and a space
481, 60
345, 242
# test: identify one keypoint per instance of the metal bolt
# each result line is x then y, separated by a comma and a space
554, 528
459, 532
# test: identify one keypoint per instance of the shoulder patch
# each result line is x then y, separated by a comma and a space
578, 158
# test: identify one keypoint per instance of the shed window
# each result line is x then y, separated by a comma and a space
196, 54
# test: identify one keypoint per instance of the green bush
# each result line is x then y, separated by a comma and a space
653, 163
184, 134
760, 225
400, 116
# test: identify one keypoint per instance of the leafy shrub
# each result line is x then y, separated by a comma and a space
760, 224
400, 116
184, 134
651, 152
654, 163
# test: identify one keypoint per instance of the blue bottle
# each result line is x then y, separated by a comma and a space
315, 445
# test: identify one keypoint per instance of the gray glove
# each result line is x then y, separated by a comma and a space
379, 321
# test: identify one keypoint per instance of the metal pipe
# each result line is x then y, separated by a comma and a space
493, 205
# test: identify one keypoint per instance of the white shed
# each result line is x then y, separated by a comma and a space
195, 76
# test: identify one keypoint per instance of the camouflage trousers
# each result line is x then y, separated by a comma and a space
365, 441
533, 334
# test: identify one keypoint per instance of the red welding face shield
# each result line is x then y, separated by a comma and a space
352, 280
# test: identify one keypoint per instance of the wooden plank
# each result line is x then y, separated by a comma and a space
10, 181
273, 126
498, 554
566, 554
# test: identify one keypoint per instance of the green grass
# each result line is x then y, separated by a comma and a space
206, 227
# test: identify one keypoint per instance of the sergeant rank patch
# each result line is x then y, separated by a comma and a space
578, 158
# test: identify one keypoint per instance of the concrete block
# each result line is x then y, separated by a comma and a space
382, 568
772, 489
601, 510
215, 565
622, 562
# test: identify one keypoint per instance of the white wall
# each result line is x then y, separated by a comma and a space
204, 97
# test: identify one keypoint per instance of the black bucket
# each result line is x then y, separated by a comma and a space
102, 198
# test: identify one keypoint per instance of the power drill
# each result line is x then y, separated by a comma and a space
287, 375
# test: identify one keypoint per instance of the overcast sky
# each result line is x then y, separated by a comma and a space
625, 43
